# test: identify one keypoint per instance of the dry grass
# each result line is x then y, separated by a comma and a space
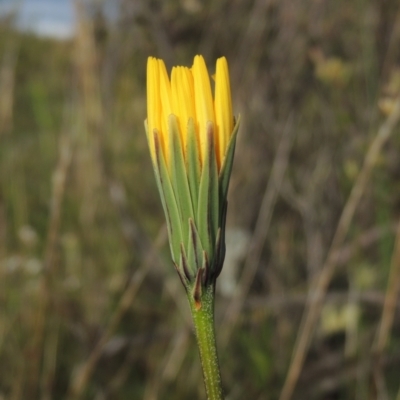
90, 307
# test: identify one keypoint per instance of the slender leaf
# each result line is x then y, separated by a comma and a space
168, 200
220, 243
179, 176
214, 187
194, 248
207, 215
193, 162
184, 267
226, 169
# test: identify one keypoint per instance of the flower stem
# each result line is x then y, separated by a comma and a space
203, 319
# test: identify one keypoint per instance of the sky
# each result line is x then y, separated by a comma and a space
53, 18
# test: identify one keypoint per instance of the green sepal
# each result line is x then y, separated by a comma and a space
214, 189
179, 175
207, 273
193, 166
182, 277
226, 169
194, 252
208, 205
184, 267
150, 139
168, 200
220, 247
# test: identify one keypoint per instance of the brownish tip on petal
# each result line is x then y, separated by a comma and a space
197, 289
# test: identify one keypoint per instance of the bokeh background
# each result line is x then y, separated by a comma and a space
307, 307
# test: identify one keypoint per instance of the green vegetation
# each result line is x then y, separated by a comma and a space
90, 305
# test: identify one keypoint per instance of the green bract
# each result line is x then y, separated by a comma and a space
192, 142
195, 202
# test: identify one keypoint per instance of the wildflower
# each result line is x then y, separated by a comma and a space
192, 137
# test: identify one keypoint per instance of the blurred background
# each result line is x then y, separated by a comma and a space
307, 307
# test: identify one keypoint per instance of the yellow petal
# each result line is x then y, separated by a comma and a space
203, 100
183, 99
176, 107
188, 95
153, 102
166, 107
223, 109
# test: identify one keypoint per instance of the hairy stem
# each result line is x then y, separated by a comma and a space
203, 319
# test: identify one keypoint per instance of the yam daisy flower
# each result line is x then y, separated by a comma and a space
191, 136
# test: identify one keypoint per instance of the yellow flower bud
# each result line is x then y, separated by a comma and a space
192, 138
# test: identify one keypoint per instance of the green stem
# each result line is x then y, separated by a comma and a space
203, 319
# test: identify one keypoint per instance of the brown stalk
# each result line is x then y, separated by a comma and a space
392, 292
318, 289
92, 118
82, 376
7, 83
176, 352
46, 285
93, 162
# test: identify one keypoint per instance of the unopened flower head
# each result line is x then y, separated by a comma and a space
192, 136
187, 95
